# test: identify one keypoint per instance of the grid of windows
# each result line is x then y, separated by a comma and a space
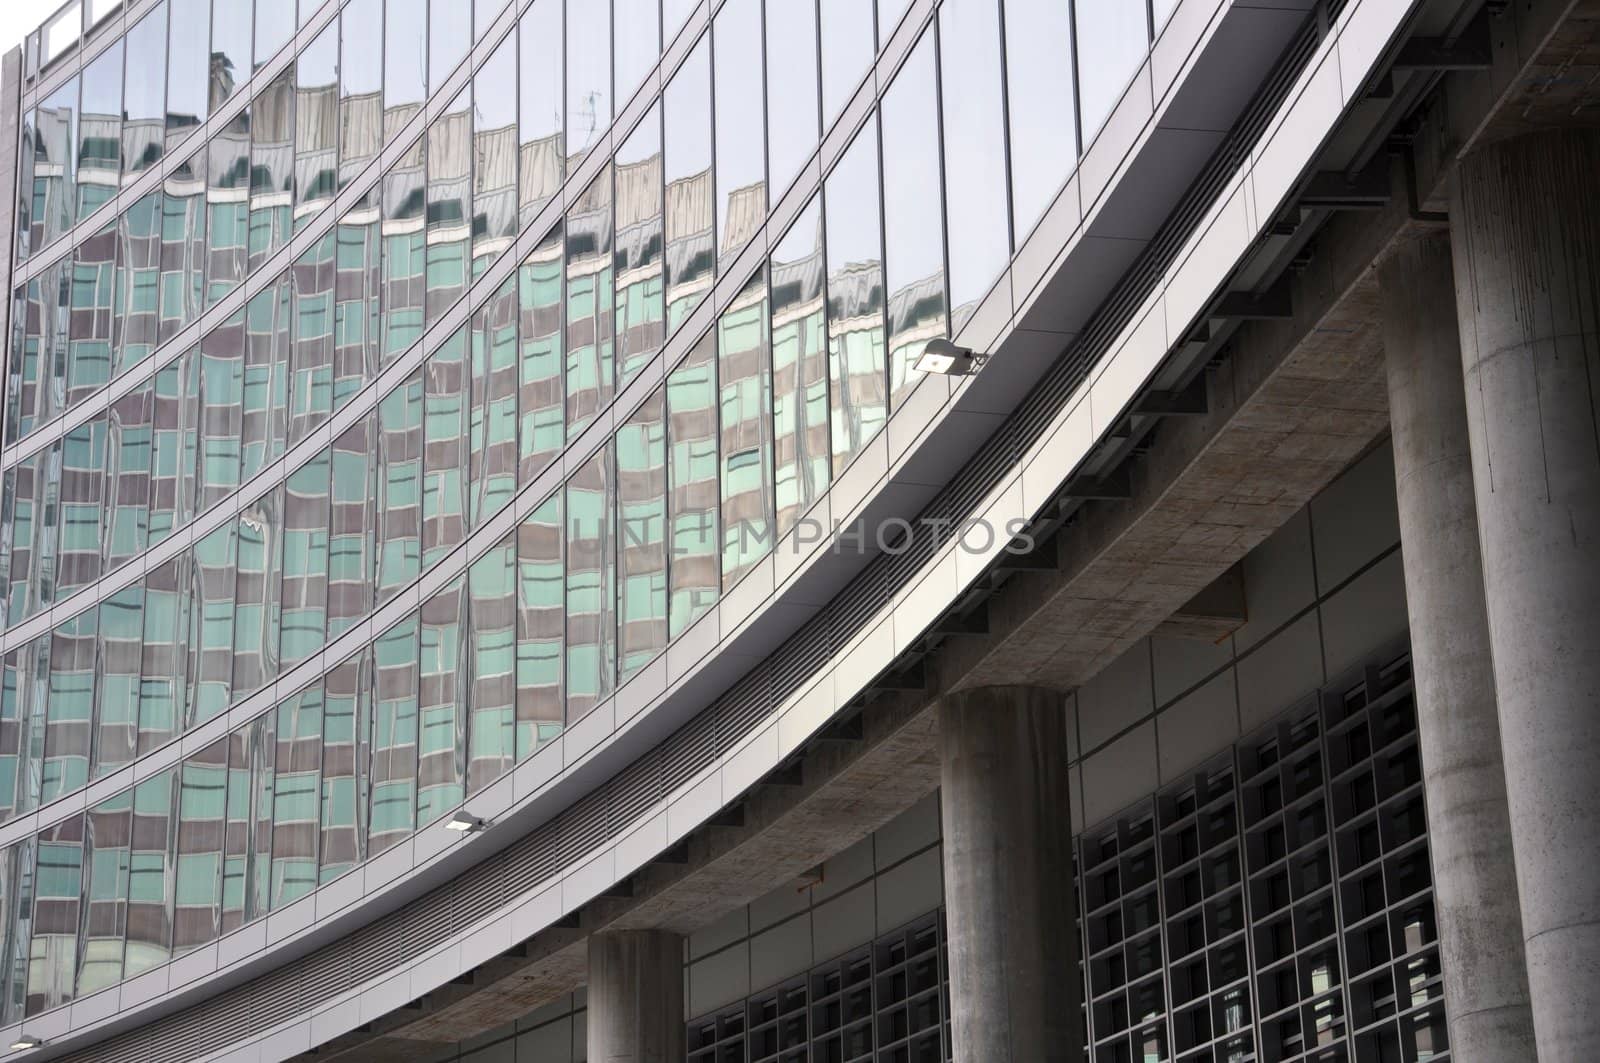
793, 377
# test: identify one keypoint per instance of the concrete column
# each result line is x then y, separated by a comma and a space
1469, 826
636, 997
1525, 226
1007, 816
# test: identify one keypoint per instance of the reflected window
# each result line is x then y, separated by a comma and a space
744, 390
541, 106
211, 595
107, 847
1039, 91
57, 893
150, 878
345, 742
357, 281
741, 127
352, 525
81, 499
54, 164
163, 687
222, 368
1112, 40
227, 207
121, 632
694, 502
257, 606
92, 309
801, 468
691, 254
360, 88
541, 626
296, 788
264, 425
494, 155
590, 368
492, 429
449, 222
144, 96
541, 397
974, 151
394, 737
442, 712
640, 312
444, 488
311, 383
492, 656
183, 245
591, 584
69, 727
404, 259
99, 144
202, 830
399, 519
272, 138
913, 217
642, 550
305, 559
857, 370
316, 144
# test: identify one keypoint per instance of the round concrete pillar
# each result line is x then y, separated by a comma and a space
1525, 226
636, 997
1007, 815
1469, 826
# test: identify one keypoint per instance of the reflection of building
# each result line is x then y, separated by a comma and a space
464, 538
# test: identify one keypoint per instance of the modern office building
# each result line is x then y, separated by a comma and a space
487, 573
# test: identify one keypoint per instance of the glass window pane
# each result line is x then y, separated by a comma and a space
394, 737
449, 37
107, 847
183, 245
442, 692
316, 145
27, 671
640, 314
642, 519
238, 826
690, 248
92, 308
741, 127
591, 584
256, 603
70, 720
150, 879
271, 166
449, 204
144, 92
541, 398
188, 66
399, 487
227, 207
82, 505
856, 368
100, 147
590, 370
202, 831
588, 77
264, 424
694, 501
404, 257
405, 49
541, 104
57, 892
311, 383
792, 89
275, 24
1160, 9
1112, 40
847, 50
353, 525
128, 475
357, 281
799, 370
484, 12
296, 788
346, 716
638, 42
1039, 83
444, 488
493, 428
674, 12
305, 559
163, 691
211, 618
744, 385
494, 155
222, 369
974, 151
121, 633
913, 217
360, 87
231, 33
491, 586
55, 153
541, 623
890, 12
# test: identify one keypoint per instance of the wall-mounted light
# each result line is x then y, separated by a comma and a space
25, 1042
466, 823
945, 358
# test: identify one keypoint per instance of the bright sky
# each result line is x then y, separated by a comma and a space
18, 18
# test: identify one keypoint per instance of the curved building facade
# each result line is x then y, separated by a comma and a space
475, 516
